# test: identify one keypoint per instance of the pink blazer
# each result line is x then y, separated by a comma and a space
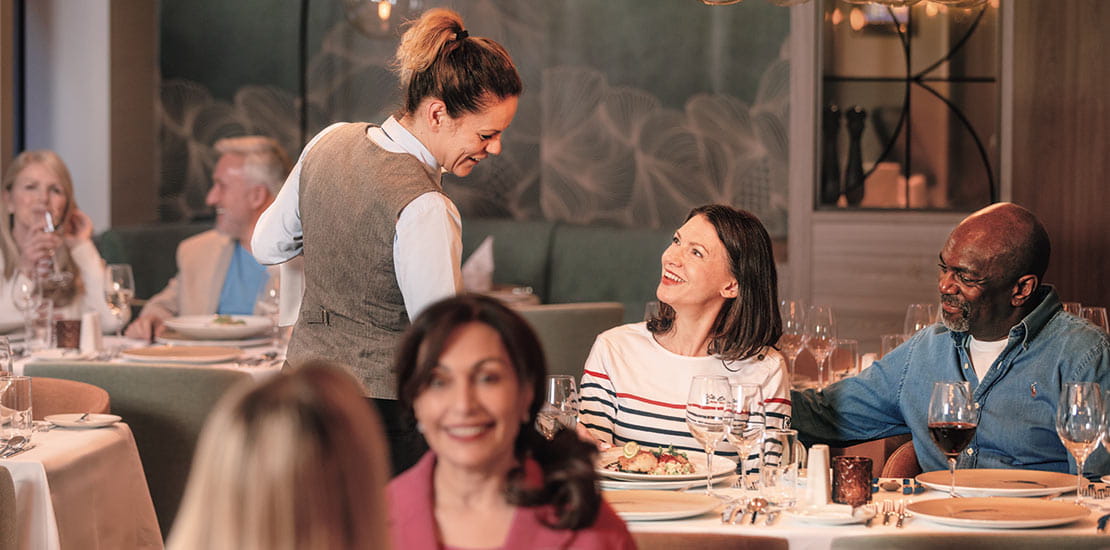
412, 523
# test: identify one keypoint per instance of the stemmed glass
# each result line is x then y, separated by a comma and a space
953, 418
821, 339
793, 331
560, 408
1079, 423
746, 423
918, 316
119, 288
707, 411
26, 295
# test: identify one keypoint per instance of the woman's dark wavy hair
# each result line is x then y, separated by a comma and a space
751, 322
570, 483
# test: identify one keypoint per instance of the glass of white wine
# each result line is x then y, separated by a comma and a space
707, 411
793, 336
119, 289
821, 339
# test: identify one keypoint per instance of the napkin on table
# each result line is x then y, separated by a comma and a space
477, 271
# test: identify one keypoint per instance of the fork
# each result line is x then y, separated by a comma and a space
901, 513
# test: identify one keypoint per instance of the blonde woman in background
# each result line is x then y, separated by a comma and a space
38, 183
297, 462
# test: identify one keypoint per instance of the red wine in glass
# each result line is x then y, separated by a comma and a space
952, 437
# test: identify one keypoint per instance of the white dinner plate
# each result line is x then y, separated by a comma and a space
988, 482
998, 512
659, 505
620, 485
174, 338
70, 420
833, 514
206, 327
721, 466
182, 354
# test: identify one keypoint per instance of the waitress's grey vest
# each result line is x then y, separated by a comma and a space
351, 194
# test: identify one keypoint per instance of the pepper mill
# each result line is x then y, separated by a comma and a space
830, 157
853, 172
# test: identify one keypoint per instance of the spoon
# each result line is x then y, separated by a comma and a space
755, 506
15, 444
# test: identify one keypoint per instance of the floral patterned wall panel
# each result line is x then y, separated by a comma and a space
634, 111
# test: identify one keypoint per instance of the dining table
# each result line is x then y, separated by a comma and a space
82, 488
795, 531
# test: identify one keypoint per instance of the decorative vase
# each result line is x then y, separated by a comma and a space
853, 171
830, 157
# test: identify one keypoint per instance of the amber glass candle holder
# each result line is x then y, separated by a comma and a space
851, 483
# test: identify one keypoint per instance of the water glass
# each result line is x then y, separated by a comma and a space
782, 460
15, 400
5, 357
1096, 316
889, 342
560, 407
844, 361
40, 325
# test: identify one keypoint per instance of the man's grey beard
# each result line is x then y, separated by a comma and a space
959, 324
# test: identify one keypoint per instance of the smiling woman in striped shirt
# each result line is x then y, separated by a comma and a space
718, 315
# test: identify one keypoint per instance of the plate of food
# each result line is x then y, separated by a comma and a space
633, 462
998, 512
987, 482
182, 354
219, 327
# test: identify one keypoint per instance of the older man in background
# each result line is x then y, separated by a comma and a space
216, 271
1003, 332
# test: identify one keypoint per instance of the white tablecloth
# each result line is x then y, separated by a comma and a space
83, 489
809, 536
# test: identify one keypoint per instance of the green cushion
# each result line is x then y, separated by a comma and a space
150, 249
520, 250
598, 264
165, 406
567, 331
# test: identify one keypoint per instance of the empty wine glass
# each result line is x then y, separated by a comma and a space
119, 288
953, 418
560, 408
1097, 317
1079, 423
844, 360
746, 422
820, 339
888, 342
707, 410
26, 295
793, 331
918, 316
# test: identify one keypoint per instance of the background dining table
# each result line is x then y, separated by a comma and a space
83, 489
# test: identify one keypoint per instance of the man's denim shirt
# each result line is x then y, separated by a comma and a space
1017, 398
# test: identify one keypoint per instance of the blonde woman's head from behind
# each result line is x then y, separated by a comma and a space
297, 462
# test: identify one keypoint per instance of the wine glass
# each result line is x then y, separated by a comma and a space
1097, 317
793, 331
918, 316
119, 288
560, 408
1079, 423
844, 359
26, 295
746, 422
953, 418
5, 357
707, 410
268, 304
820, 337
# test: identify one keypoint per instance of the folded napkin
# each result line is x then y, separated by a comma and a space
477, 271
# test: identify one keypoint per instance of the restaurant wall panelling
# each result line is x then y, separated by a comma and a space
1061, 132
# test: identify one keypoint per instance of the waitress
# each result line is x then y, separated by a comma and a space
366, 208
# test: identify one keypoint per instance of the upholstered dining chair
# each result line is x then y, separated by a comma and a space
165, 406
567, 331
902, 462
56, 396
9, 521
